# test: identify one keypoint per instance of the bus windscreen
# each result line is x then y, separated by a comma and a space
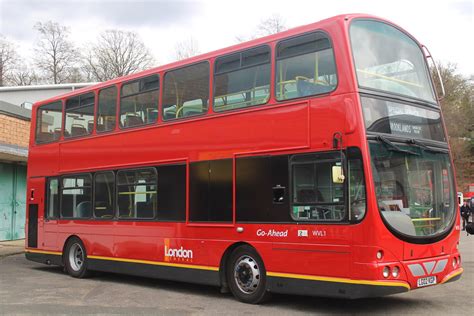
389, 60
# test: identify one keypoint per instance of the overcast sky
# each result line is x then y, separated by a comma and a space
446, 27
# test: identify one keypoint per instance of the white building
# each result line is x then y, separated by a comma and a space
25, 96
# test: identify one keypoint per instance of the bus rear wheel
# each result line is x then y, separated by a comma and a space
246, 276
75, 258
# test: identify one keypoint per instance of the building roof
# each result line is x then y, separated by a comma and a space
14, 110
72, 86
15, 153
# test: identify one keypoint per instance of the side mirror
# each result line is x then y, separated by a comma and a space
337, 174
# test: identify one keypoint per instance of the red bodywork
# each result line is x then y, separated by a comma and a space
341, 252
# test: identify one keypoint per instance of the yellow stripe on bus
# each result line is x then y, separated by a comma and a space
44, 252
338, 280
157, 263
452, 275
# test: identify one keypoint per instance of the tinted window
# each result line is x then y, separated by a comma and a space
79, 115
262, 189
305, 66
315, 196
106, 109
172, 193
186, 92
242, 79
104, 193
136, 191
139, 102
49, 122
210, 192
76, 196
52, 198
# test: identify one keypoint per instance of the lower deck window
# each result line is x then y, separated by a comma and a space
210, 191
315, 196
76, 197
104, 189
137, 193
52, 198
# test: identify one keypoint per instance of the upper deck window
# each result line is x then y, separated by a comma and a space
79, 115
186, 91
389, 60
305, 66
139, 102
106, 109
242, 79
49, 122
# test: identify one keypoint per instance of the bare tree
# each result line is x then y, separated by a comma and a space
187, 48
8, 58
272, 25
56, 56
23, 76
116, 53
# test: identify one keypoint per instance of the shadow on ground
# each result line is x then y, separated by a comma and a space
284, 303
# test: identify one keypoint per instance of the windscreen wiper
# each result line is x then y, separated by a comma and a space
392, 147
423, 146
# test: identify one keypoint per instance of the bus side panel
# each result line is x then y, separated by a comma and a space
263, 130
136, 240
97, 235
43, 160
322, 250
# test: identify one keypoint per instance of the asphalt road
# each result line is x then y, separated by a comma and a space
30, 288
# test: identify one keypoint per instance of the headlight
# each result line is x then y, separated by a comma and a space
386, 272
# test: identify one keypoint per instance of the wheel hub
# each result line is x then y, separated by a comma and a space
76, 257
247, 274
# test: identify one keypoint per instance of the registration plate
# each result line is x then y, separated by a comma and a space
426, 281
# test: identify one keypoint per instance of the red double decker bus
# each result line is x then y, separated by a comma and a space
314, 161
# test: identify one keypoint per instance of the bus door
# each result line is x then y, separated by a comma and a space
35, 211
318, 195
51, 213
135, 231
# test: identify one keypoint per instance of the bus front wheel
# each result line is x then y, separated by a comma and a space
246, 276
75, 258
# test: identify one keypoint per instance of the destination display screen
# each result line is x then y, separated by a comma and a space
388, 117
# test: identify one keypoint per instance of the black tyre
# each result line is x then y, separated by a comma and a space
246, 276
75, 258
